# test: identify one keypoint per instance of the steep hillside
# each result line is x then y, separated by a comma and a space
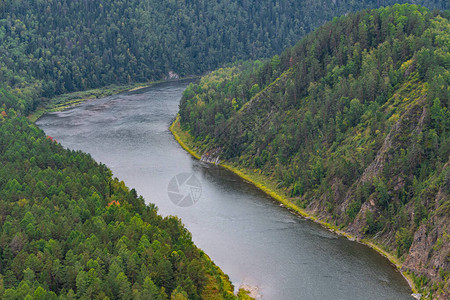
353, 125
68, 230
52, 47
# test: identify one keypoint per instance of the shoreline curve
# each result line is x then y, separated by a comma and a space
295, 209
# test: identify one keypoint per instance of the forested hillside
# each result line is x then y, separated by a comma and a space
68, 229
352, 124
52, 47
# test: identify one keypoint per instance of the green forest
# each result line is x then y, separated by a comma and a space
50, 47
352, 124
70, 230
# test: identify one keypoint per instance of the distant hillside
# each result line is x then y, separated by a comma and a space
52, 47
352, 124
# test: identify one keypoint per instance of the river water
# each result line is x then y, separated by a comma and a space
249, 236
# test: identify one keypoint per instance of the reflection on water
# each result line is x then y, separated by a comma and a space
248, 235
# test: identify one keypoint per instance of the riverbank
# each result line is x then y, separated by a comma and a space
187, 142
65, 101
217, 284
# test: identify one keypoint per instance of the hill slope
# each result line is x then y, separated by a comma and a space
52, 47
352, 124
70, 230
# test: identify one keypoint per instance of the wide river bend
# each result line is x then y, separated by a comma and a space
244, 231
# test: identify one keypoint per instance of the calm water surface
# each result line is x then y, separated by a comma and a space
249, 236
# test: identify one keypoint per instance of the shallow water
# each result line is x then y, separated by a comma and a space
245, 232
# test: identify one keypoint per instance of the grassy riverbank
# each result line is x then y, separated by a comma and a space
64, 101
187, 142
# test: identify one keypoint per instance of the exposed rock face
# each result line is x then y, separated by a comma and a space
412, 121
429, 254
212, 156
172, 75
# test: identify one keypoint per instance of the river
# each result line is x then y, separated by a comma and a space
247, 234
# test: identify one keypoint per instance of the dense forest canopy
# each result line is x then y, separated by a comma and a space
68, 229
352, 123
50, 47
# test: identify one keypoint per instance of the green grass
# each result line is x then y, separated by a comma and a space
64, 101
183, 138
